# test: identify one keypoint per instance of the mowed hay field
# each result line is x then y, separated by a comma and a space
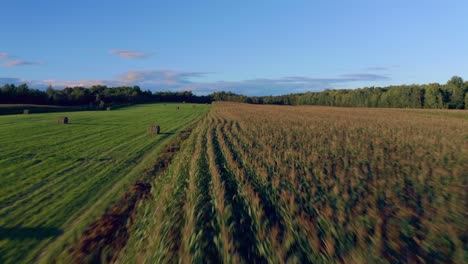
10, 109
55, 179
258, 184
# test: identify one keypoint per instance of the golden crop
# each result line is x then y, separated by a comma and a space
312, 184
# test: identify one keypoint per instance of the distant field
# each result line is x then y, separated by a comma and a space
55, 179
12, 109
275, 184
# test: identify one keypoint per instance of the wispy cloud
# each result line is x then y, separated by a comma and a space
159, 77
4, 55
56, 83
130, 54
168, 80
15, 63
362, 77
79, 83
381, 68
377, 68
285, 85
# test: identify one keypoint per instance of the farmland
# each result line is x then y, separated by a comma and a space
310, 184
11, 109
55, 179
246, 184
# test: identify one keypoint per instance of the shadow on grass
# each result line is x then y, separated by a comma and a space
24, 233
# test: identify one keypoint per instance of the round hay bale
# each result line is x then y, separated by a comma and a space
26, 111
153, 130
108, 109
62, 120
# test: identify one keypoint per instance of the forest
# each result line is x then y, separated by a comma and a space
99, 96
452, 95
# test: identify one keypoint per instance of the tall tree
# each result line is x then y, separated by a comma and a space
433, 97
456, 88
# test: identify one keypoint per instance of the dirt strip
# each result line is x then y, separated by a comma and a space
102, 241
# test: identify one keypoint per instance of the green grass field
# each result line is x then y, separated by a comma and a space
55, 179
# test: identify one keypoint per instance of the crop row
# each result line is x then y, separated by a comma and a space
270, 184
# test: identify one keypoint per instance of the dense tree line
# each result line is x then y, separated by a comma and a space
452, 95
96, 96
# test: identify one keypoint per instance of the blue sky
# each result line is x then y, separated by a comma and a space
249, 47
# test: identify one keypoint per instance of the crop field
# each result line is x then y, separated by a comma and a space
245, 184
55, 179
274, 184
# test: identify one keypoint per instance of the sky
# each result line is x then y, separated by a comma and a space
252, 47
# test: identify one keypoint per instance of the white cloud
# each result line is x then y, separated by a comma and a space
15, 63
129, 54
4, 55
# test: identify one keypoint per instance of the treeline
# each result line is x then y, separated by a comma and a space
96, 96
452, 95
